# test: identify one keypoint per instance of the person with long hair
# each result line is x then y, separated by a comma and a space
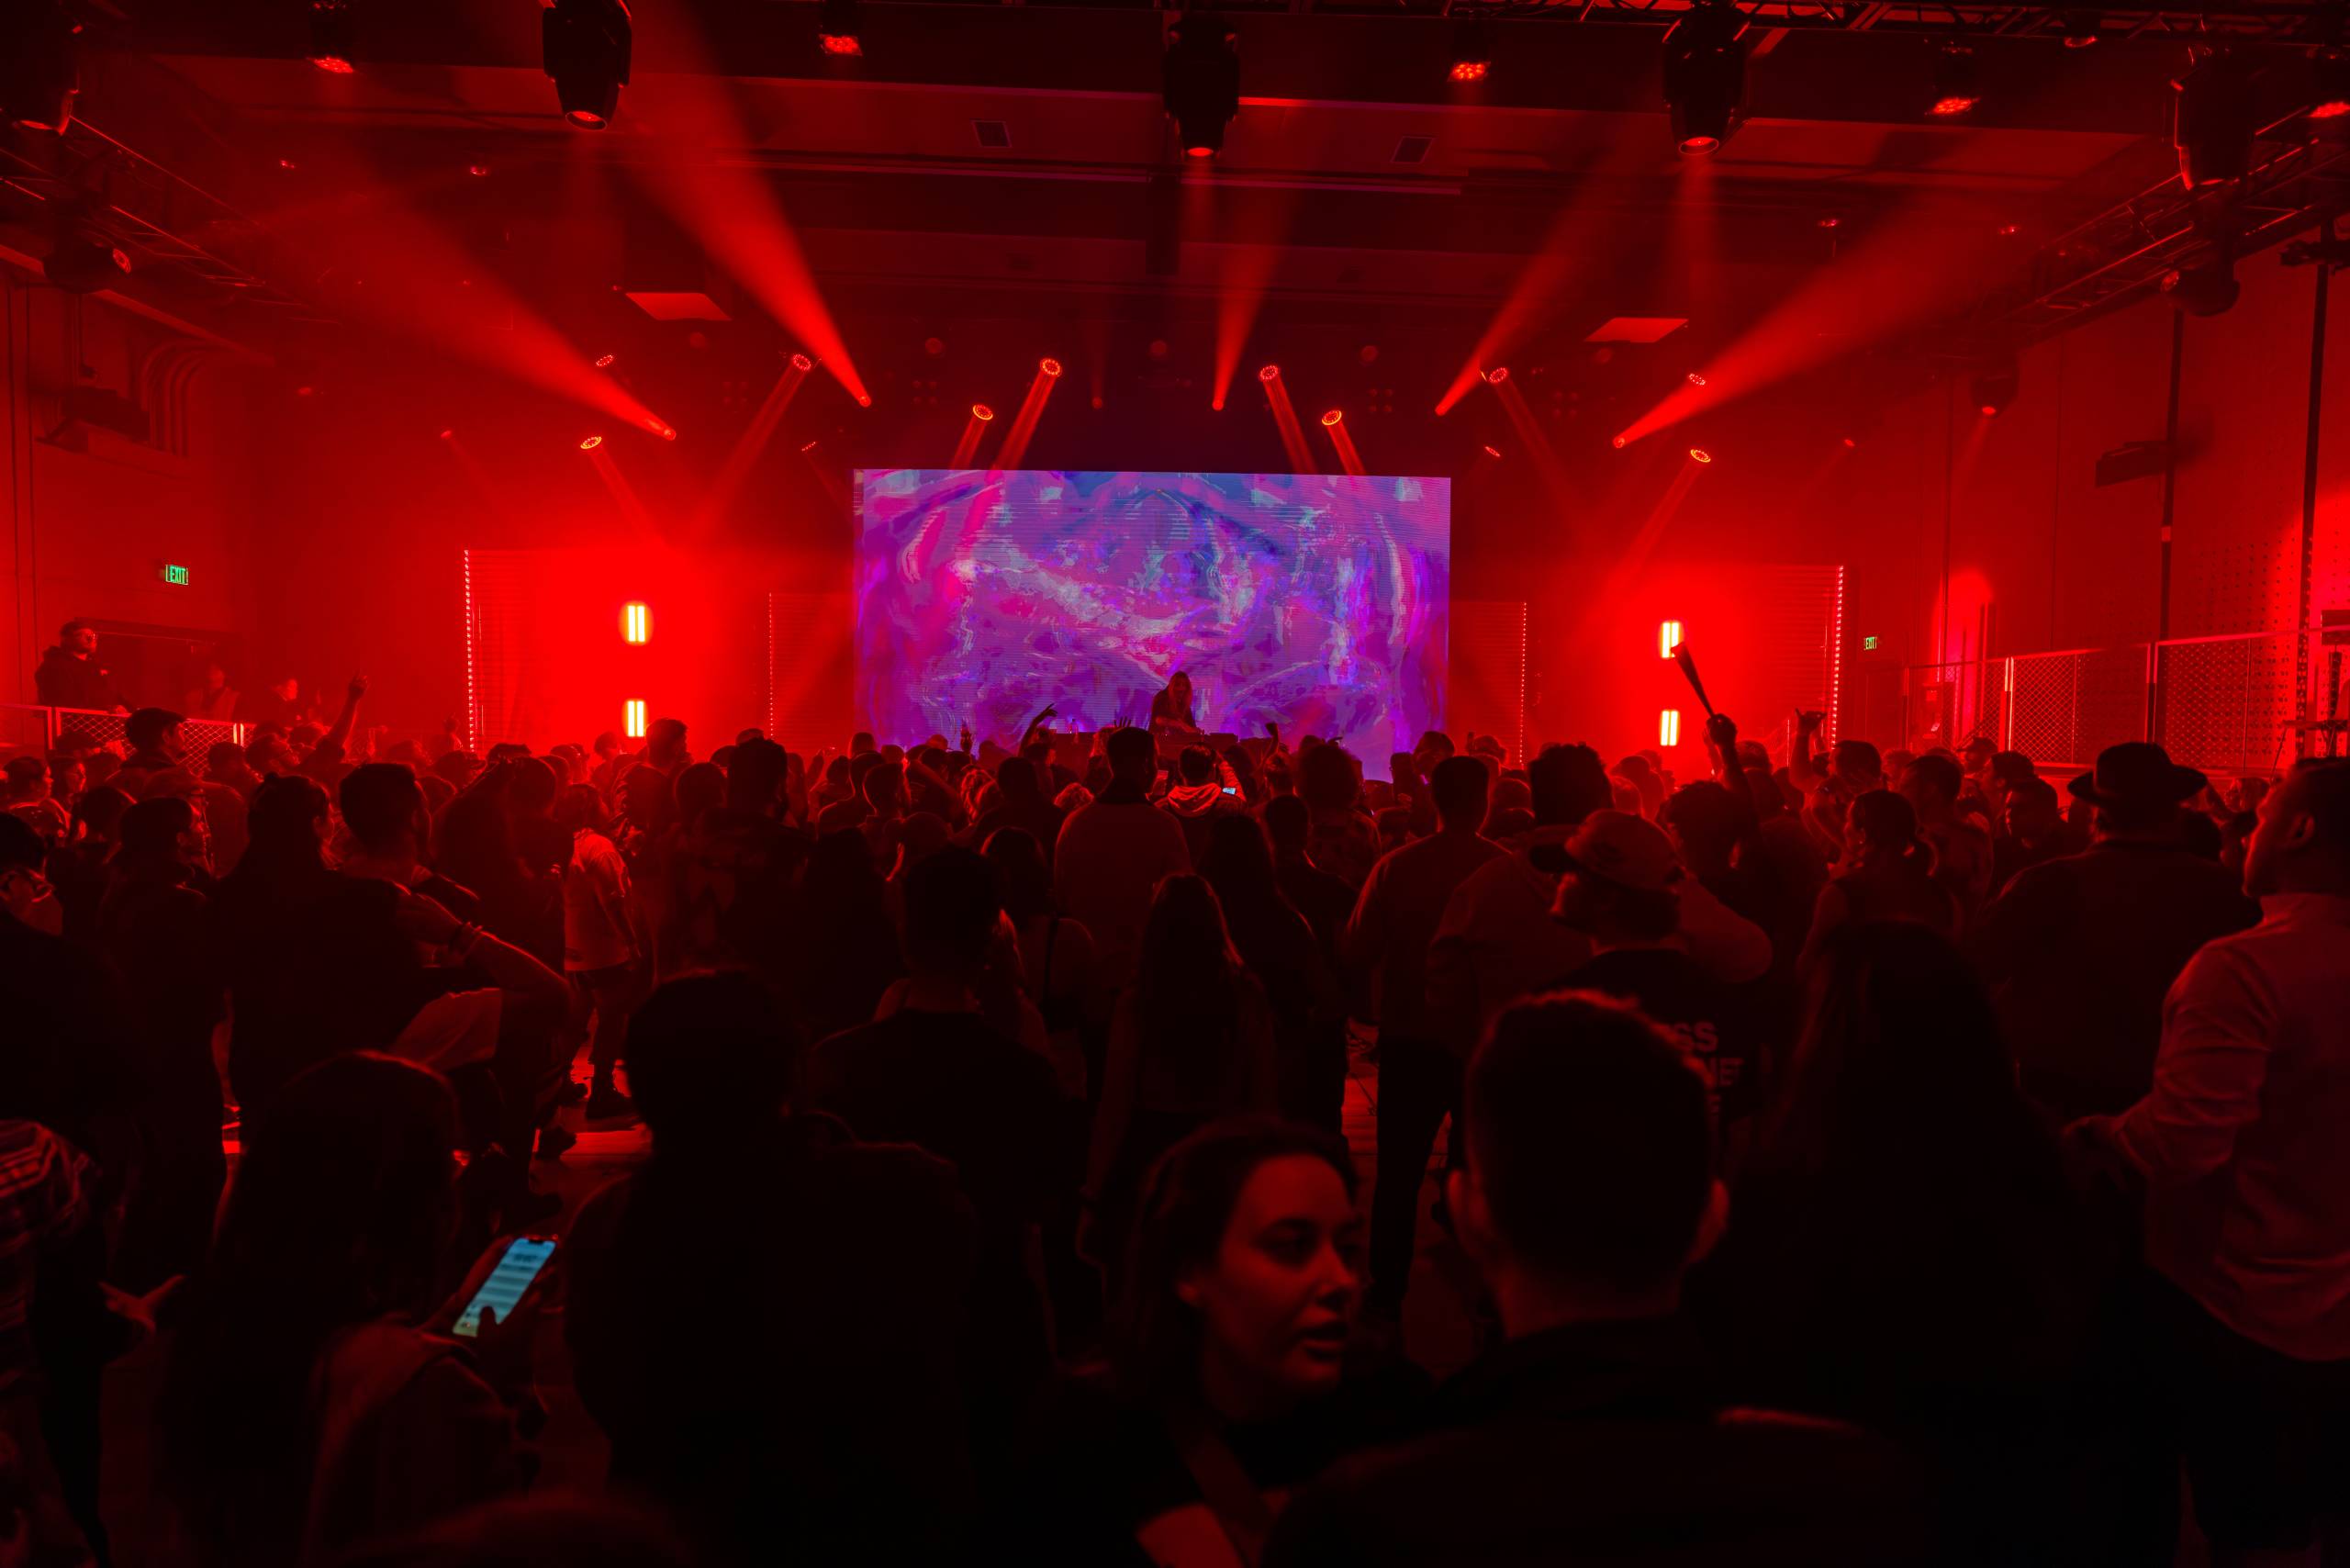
1887, 874
310, 1397
1904, 1248
1280, 948
1231, 1379
1192, 1041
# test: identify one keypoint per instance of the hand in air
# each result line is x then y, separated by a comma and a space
357, 688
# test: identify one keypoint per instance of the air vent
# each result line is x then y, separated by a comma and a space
992, 132
1413, 149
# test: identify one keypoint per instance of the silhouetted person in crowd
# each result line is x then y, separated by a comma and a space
158, 740
843, 952
2080, 950
543, 843
1887, 873
1193, 1040
1113, 852
1281, 951
1904, 1250
1326, 901
70, 675
600, 944
2031, 830
1622, 892
1020, 802
809, 1382
212, 697
77, 867
1196, 798
163, 948
1962, 847
938, 1074
2247, 1190
1419, 1078
310, 1396
1229, 1381
30, 798
1342, 839
1595, 1431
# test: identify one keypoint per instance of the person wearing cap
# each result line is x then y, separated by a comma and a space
2080, 950
2247, 1186
1622, 890
70, 677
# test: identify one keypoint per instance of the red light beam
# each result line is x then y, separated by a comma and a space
753, 441
1903, 271
973, 428
1301, 458
1032, 408
1335, 424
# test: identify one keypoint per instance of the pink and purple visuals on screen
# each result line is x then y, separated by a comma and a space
1316, 602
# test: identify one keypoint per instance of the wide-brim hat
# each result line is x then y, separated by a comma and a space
2137, 773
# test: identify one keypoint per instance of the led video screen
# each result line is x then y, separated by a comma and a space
1314, 601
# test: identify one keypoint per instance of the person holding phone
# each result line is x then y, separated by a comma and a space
312, 1395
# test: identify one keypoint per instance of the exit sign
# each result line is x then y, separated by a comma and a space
1868, 645
178, 575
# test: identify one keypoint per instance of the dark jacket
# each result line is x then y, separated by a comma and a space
2081, 952
64, 681
1607, 1443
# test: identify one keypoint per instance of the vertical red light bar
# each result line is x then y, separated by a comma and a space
1524, 620
636, 624
473, 707
1668, 637
1668, 727
633, 718
1836, 665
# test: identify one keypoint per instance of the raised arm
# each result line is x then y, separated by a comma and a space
338, 734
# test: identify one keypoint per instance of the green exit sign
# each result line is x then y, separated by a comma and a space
1868, 645
178, 576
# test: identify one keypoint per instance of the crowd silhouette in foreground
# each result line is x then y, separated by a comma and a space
1838, 1158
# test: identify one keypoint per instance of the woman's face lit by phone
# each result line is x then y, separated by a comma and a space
1277, 1301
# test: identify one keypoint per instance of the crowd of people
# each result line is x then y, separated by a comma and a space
1845, 1157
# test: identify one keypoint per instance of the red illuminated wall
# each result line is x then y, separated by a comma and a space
2061, 563
92, 514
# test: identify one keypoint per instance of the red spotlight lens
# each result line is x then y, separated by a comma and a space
1497, 375
982, 412
333, 65
1696, 379
477, 171
1270, 372
669, 432
1333, 417
1991, 410
1492, 451
1954, 105
603, 360
2008, 229
1049, 367
1699, 455
1215, 406
287, 163
1831, 221
802, 362
2332, 110
865, 400
1470, 70
590, 119
1198, 151
1620, 441
1850, 442
590, 444
448, 435
840, 43
1697, 146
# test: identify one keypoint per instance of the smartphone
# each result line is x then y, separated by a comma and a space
1232, 790
525, 1257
